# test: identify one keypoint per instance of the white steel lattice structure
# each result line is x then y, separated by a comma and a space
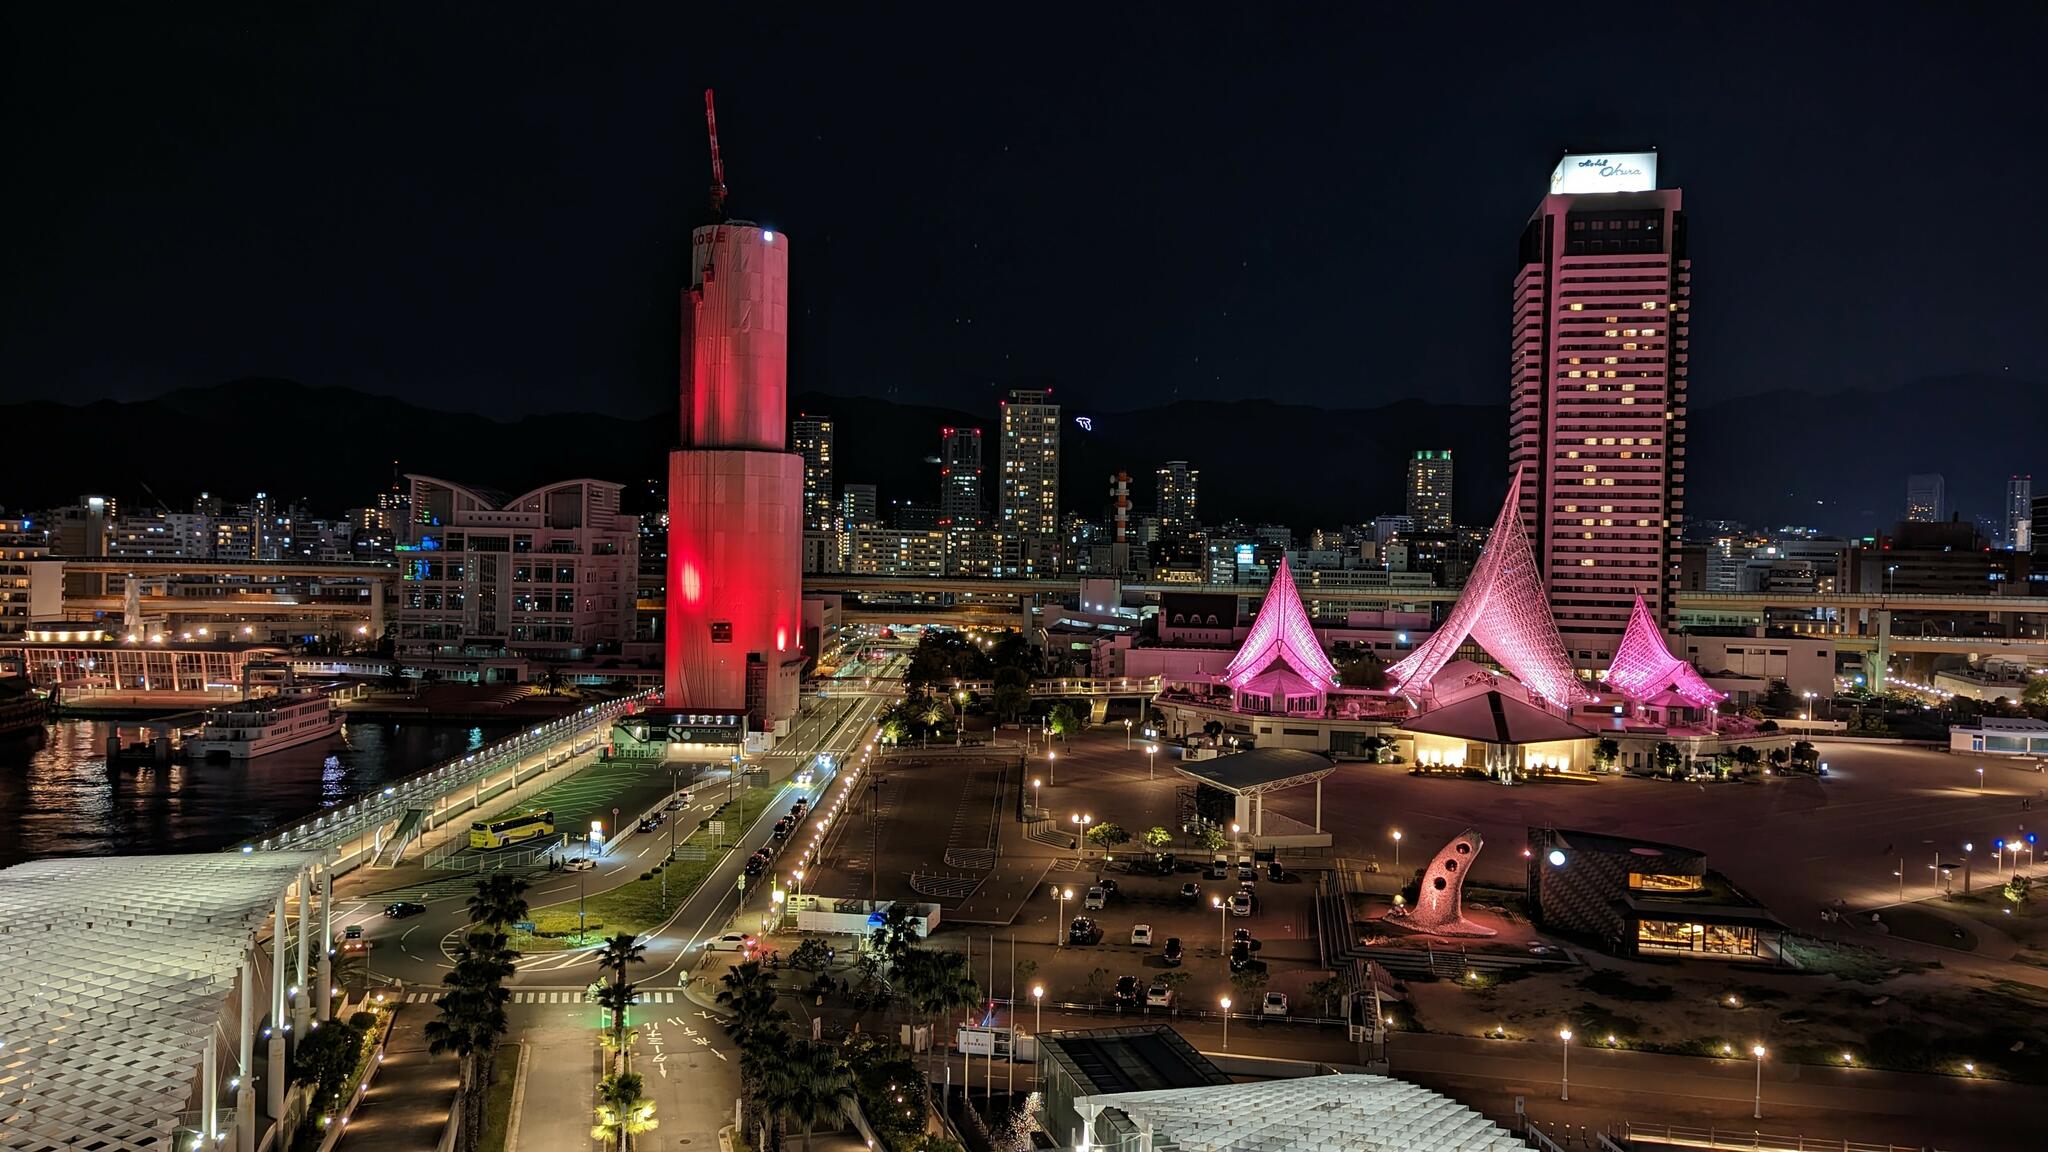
1342, 1113
1504, 610
1282, 632
1644, 668
116, 975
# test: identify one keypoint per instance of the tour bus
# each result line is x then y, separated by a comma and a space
511, 829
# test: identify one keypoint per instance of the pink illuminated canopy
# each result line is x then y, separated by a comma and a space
1504, 610
1644, 670
1281, 632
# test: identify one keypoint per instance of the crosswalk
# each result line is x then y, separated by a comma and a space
576, 997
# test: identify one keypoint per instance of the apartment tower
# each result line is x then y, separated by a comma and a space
811, 438
1598, 400
1429, 490
1028, 498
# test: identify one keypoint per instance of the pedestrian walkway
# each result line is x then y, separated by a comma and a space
555, 996
407, 1106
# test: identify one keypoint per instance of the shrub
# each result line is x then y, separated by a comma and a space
363, 1021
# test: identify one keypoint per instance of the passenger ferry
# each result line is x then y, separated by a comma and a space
266, 724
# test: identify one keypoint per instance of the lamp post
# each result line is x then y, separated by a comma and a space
1082, 821
1757, 1113
1151, 750
1127, 734
1037, 1026
1226, 1023
1059, 927
1565, 1084
1397, 849
1035, 782
1048, 765
1980, 779
1222, 925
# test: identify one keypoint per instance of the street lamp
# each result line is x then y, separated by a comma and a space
1757, 1113
1037, 1009
1048, 764
1151, 750
1226, 1023
1035, 782
1222, 925
1980, 779
1397, 849
1082, 821
1127, 734
1565, 1084
1059, 927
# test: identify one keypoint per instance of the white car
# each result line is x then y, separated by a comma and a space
1275, 1005
730, 942
1159, 996
1096, 898
581, 864
1241, 904
1141, 934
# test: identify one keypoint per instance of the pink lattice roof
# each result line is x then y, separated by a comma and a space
1504, 610
1644, 670
1282, 632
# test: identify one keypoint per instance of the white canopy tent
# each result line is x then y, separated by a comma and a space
1341, 1113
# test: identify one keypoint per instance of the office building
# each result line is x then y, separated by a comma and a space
1028, 500
858, 507
960, 478
874, 551
2037, 535
1178, 489
22, 539
2019, 514
1429, 490
811, 438
1926, 497
1597, 412
551, 574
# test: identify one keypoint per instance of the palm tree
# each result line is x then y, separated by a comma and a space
814, 1078
755, 1025
472, 1018
499, 900
623, 1111
616, 953
935, 983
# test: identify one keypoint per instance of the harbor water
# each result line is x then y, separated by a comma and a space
58, 797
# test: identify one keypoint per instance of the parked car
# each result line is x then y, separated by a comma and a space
1141, 935
1244, 936
1174, 952
403, 909
782, 828
755, 866
1096, 898
1240, 957
650, 823
1275, 872
1219, 867
1191, 893
1159, 996
1083, 931
1246, 874
1275, 1005
1126, 991
731, 942
580, 864
1241, 904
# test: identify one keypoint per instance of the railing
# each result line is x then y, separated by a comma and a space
1671, 1136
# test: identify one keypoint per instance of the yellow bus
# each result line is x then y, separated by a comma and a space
511, 829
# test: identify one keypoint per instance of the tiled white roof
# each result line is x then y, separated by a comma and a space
113, 970
1347, 1113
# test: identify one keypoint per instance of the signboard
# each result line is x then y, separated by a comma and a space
721, 631
1604, 172
523, 926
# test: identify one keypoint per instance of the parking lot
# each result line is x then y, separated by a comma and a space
631, 786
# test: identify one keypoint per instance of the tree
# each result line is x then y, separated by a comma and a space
472, 1018
1362, 670
812, 955
1213, 729
1328, 993
1779, 700
623, 1111
1249, 983
1214, 840
498, 902
1748, 757
1107, 835
1010, 700
2017, 889
1157, 838
1605, 753
1173, 979
2037, 691
325, 1058
1804, 754
1667, 756
936, 983
748, 992
1024, 970
551, 679
1098, 983
813, 1078
1062, 720
1778, 757
618, 952
895, 934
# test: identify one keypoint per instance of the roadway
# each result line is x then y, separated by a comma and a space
415, 949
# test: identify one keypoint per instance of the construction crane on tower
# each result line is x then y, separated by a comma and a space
717, 165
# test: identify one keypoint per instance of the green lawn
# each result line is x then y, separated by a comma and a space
498, 1108
637, 905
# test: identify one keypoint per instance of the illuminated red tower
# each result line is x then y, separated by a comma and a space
735, 494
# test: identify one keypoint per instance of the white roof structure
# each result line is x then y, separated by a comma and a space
113, 972
1343, 1113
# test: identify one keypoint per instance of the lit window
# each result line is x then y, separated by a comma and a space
1617, 332
1585, 563
1649, 303
1585, 535
1589, 482
1574, 374
1610, 375
1578, 307
1592, 439
1573, 360
1588, 467
1628, 399
1588, 523
1571, 455
1610, 359
1607, 523
1571, 507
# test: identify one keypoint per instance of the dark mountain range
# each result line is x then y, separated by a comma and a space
1837, 461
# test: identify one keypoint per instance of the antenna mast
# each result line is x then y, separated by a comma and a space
717, 165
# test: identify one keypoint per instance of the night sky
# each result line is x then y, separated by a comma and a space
485, 211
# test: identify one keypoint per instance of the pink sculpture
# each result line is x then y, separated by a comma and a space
1644, 669
1504, 609
1282, 632
1439, 906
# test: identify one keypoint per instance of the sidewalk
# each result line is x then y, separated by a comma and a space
408, 1104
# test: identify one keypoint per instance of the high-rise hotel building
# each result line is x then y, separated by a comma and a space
1028, 492
811, 438
1597, 406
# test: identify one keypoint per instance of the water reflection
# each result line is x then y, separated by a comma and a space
58, 798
